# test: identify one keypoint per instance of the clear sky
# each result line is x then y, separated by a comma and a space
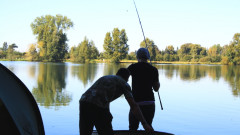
166, 22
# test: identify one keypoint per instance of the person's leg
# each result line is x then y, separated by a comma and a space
85, 119
133, 122
103, 122
148, 112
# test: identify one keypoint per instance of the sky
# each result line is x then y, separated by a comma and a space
166, 22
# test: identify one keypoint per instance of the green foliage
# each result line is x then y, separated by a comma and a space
193, 50
115, 45
10, 51
187, 58
52, 46
50, 32
166, 57
224, 60
205, 59
107, 46
216, 59
215, 50
132, 56
152, 48
3, 51
5, 47
232, 51
170, 50
84, 52
32, 53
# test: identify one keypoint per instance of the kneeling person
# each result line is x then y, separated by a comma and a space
94, 104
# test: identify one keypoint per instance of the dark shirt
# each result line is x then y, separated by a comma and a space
143, 76
105, 90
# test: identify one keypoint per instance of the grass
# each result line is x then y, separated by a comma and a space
172, 62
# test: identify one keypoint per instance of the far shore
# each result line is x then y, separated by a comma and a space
134, 61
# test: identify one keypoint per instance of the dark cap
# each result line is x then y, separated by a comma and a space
143, 53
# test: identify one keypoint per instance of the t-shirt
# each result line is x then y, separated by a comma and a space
143, 76
105, 90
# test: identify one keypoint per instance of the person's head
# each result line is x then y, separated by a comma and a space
143, 54
124, 73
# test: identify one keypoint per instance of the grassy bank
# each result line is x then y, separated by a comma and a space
172, 62
133, 61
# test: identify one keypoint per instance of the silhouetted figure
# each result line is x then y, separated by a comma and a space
144, 81
94, 104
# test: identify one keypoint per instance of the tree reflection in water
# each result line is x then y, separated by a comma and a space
231, 74
50, 90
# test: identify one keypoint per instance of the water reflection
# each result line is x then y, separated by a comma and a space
51, 84
111, 69
85, 72
32, 71
231, 74
186, 72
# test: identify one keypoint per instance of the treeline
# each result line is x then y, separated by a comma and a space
52, 46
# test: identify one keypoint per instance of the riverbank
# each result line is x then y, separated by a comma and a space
172, 62
135, 61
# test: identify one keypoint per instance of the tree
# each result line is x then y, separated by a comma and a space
170, 50
195, 50
115, 46
107, 46
233, 50
132, 56
214, 53
94, 51
215, 50
84, 52
32, 53
119, 43
152, 48
10, 51
190, 51
3, 50
50, 31
169, 53
123, 47
5, 47
185, 49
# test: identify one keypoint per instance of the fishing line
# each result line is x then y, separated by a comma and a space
146, 47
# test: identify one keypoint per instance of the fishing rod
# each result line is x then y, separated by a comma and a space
146, 48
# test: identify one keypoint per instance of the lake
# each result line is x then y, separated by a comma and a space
197, 99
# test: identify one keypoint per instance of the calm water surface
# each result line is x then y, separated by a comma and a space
197, 99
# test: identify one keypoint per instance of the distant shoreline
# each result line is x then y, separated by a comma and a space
135, 61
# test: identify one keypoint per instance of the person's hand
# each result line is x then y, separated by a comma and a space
148, 128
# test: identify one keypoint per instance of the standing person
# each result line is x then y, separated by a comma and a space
94, 103
144, 81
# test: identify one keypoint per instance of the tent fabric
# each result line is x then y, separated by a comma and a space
20, 104
6, 122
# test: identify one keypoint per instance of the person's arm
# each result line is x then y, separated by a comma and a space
156, 82
156, 86
138, 114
